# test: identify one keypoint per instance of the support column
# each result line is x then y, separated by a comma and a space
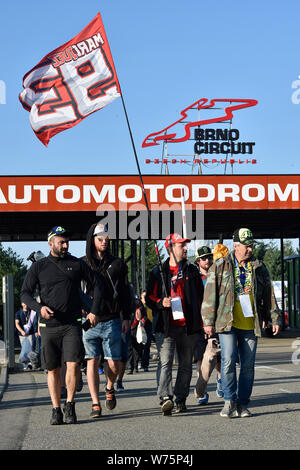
282, 281
133, 265
143, 264
8, 319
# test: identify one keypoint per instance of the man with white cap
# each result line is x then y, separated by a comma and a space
179, 319
114, 316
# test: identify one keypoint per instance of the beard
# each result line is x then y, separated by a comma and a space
61, 252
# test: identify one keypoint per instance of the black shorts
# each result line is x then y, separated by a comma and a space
61, 342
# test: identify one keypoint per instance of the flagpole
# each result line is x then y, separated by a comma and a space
144, 193
184, 232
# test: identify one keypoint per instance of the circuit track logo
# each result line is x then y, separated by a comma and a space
227, 107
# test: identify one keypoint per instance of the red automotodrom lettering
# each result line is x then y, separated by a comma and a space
78, 193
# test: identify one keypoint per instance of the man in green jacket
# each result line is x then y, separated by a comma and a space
238, 301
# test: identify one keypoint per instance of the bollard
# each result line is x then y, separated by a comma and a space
8, 319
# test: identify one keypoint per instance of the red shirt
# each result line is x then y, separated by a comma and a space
177, 290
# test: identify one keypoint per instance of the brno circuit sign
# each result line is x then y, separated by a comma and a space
209, 141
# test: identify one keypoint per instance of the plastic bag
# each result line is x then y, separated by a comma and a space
141, 335
25, 350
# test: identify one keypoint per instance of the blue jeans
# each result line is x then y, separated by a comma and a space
238, 344
110, 334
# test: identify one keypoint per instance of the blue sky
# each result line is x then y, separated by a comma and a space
167, 54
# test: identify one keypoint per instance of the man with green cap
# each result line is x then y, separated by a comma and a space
206, 352
204, 260
238, 301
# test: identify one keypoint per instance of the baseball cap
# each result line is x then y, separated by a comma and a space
202, 251
101, 230
243, 236
175, 238
58, 231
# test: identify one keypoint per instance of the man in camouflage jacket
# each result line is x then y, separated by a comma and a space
238, 320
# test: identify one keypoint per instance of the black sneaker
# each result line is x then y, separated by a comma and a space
111, 401
57, 416
243, 411
180, 407
70, 415
96, 411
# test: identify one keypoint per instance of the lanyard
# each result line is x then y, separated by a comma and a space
27, 315
242, 271
177, 279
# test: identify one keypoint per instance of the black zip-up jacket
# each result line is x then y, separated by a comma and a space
193, 296
120, 306
109, 269
60, 291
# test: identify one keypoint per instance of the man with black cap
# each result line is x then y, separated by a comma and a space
207, 352
58, 277
238, 300
204, 260
179, 319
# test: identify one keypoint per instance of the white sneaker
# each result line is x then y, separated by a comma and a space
204, 400
244, 412
229, 410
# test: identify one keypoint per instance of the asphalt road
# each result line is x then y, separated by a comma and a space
137, 423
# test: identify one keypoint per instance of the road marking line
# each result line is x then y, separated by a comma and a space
273, 369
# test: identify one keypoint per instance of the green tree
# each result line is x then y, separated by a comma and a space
11, 263
269, 253
150, 259
260, 249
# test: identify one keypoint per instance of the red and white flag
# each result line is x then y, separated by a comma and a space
71, 82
